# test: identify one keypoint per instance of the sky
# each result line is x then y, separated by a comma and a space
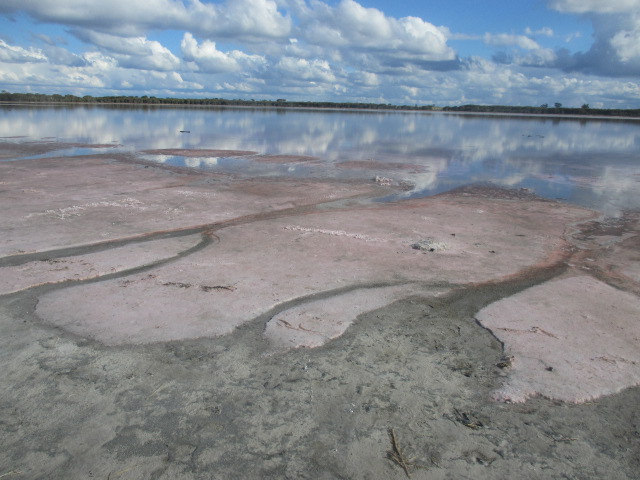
409, 52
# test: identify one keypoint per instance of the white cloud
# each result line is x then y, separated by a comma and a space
365, 79
535, 54
99, 73
101, 62
616, 25
572, 36
207, 56
62, 56
336, 50
627, 45
596, 6
34, 76
300, 69
254, 18
541, 58
503, 39
132, 52
211, 60
353, 30
158, 57
412, 92
17, 54
119, 16
237, 87
238, 18
544, 31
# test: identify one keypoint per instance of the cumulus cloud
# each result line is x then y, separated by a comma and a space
337, 50
132, 52
253, 18
300, 69
242, 18
359, 33
627, 45
98, 72
365, 79
616, 25
209, 59
503, 39
17, 54
596, 6
120, 16
534, 54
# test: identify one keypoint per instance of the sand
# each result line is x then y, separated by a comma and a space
164, 323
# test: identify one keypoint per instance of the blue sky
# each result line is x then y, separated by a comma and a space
518, 52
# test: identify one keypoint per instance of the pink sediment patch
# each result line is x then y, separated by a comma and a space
82, 267
375, 165
92, 145
66, 201
314, 323
273, 261
572, 339
199, 152
153, 309
284, 158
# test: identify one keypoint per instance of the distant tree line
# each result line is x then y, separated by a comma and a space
146, 100
544, 109
557, 109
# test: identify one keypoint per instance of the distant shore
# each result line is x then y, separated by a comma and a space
558, 116
558, 110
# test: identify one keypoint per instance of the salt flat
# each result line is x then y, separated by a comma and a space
165, 323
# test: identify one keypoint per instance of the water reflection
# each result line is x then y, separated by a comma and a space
595, 163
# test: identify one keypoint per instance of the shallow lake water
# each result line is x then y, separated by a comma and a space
589, 162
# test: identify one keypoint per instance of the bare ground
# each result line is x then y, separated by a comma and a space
405, 391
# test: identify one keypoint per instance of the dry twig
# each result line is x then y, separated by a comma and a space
12, 472
467, 421
208, 288
396, 455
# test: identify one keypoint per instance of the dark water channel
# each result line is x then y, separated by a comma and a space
589, 162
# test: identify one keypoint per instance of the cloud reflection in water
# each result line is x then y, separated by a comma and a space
594, 163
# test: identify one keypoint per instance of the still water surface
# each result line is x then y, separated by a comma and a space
589, 162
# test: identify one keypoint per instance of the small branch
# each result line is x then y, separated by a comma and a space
396, 455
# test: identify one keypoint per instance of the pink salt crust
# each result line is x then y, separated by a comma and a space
317, 271
285, 158
376, 165
93, 265
199, 152
572, 339
314, 323
258, 266
64, 202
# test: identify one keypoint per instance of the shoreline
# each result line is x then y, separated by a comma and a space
332, 109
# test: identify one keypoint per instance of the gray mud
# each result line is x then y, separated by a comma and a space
222, 408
